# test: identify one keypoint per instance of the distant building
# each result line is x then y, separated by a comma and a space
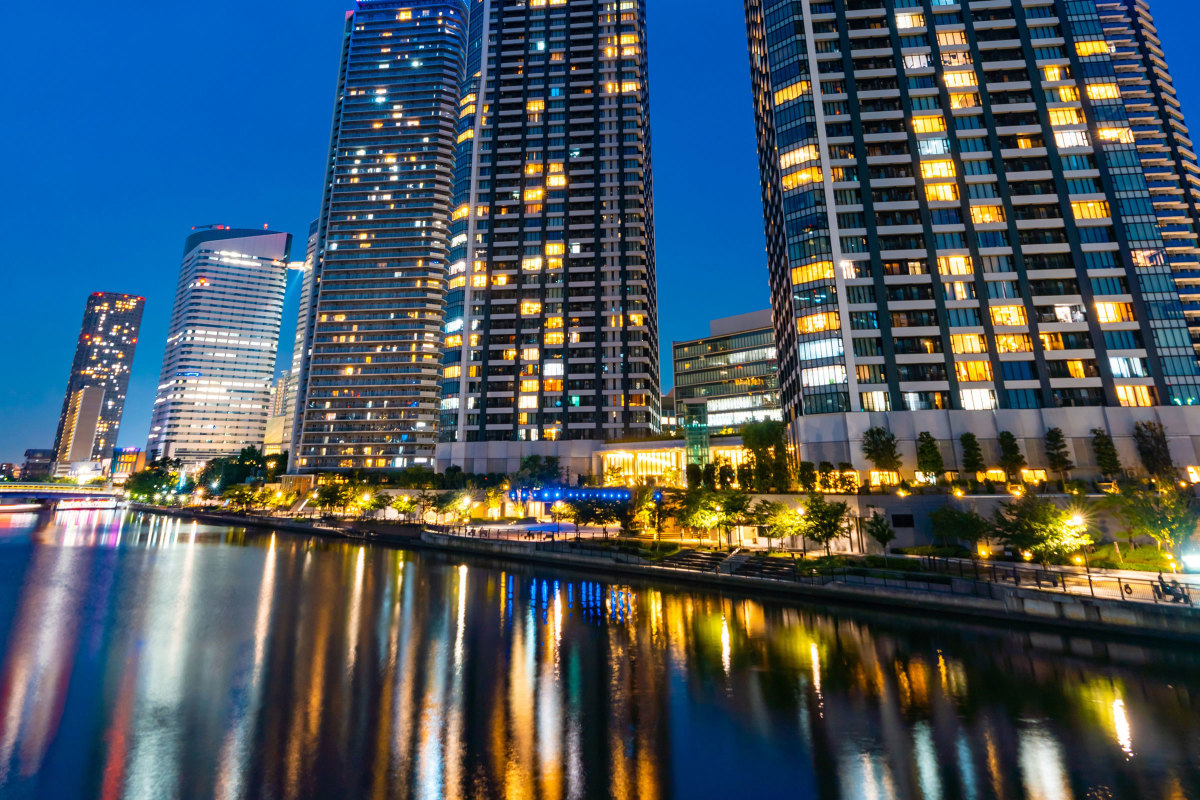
37, 464
278, 433
80, 428
103, 358
214, 390
670, 422
9, 472
729, 377
125, 462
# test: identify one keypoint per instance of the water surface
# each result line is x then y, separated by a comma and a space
148, 657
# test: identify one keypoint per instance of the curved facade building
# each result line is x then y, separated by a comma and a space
214, 390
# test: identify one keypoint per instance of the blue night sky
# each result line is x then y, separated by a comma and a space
129, 125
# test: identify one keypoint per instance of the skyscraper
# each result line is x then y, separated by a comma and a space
295, 396
1163, 141
103, 357
372, 335
215, 386
957, 216
551, 333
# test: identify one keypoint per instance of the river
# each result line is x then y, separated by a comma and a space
149, 657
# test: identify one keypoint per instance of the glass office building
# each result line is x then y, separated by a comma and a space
730, 377
214, 390
373, 331
957, 211
103, 357
551, 332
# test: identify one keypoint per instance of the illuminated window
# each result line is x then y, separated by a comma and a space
1014, 343
554, 338
532, 264
820, 271
802, 177
1134, 395
968, 343
531, 308
1114, 312
937, 169
941, 192
978, 399
787, 93
929, 124
909, 20
964, 100
452, 372
527, 401
968, 371
816, 323
958, 80
1009, 315
801, 155
1103, 91
1092, 48
1118, 135
1071, 139
983, 215
1091, 209
1065, 116
1054, 73
955, 265
1068, 94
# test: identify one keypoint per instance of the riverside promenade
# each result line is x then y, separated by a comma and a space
964, 597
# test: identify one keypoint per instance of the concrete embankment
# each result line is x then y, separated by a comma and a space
966, 600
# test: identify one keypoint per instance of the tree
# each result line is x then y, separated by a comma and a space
878, 528
846, 481
702, 511
767, 442
735, 512
745, 474
972, 454
1163, 512
1058, 457
825, 474
404, 505
1151, 441
329, 496
538, 471
879, 446
778, 520
695, 476
824, 521
929, 455
493, 500
1031, 523
806, 476
1107, 460
725, 474
952, 524
1011, 459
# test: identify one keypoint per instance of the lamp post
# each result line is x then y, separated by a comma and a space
1078, 526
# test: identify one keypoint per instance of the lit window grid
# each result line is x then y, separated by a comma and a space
827, 168
499, 313
373, 373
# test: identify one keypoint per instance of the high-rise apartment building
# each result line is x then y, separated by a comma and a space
551, 331
1162, 139
372, 335
215, 386
957, 213
103, 358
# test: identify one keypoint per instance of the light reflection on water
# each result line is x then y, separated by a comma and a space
149, 657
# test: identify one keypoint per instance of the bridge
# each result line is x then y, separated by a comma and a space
61, 495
